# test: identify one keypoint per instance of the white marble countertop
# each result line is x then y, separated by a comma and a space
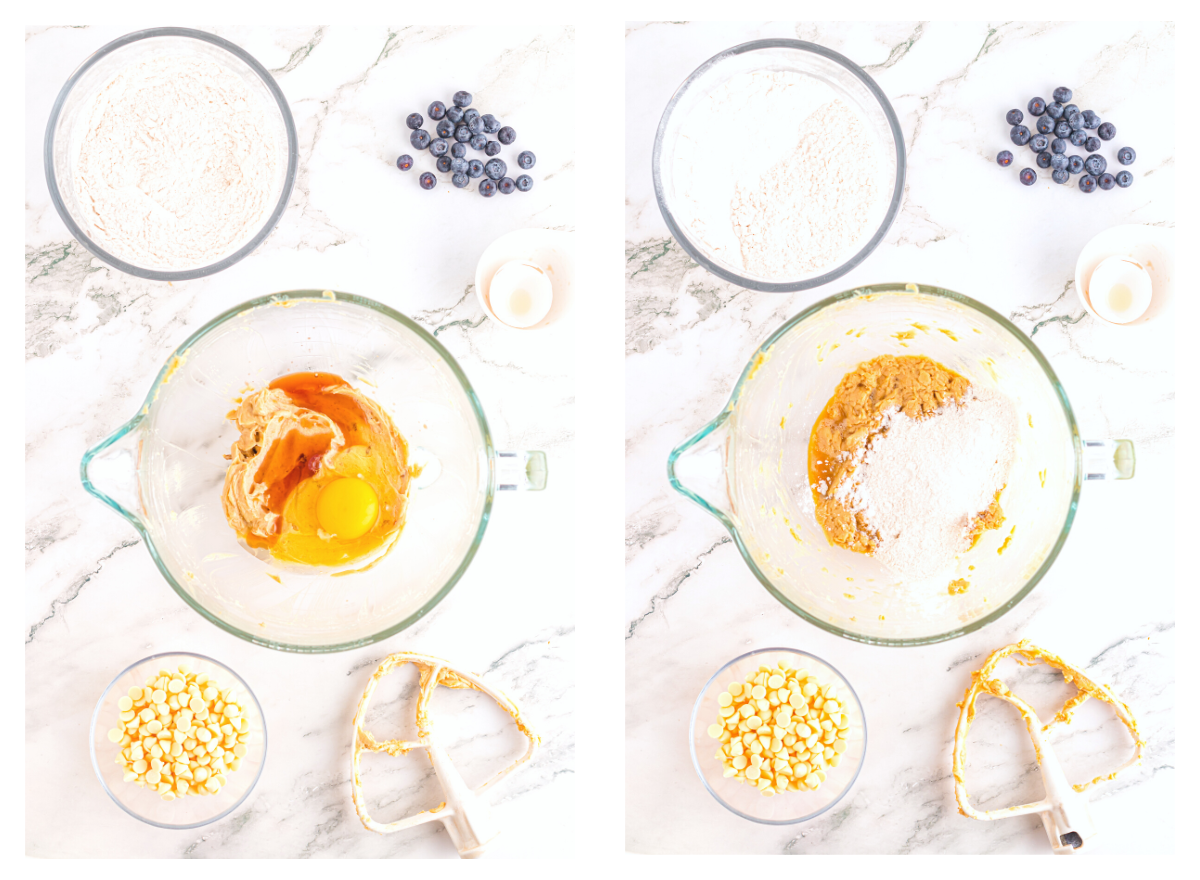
95, 339
966, 224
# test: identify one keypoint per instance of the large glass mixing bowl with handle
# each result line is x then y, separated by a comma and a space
748, 467
164, 470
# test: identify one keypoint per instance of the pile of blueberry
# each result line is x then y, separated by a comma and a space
457, 128
1058, 124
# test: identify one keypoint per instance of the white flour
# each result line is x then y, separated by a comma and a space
922, 482
178, 165
811, 208
776, 174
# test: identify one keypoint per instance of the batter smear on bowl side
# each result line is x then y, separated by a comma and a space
907, 462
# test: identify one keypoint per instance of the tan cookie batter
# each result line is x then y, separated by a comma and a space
914, 384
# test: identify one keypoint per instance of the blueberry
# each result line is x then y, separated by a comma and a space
1027, 176
469, 115
445, 129
524, 183
1126, 155
490, 123
1020, 135
1063, 129
526, 159
1087, 183
1068, 109
1054, 110
487, 188
1062, 94
1037, 143
1014, 117
443, 163
1060, 176
506, 135
507, 186
1078, 138
493, 148
419, 139
1045, 125
462, 134
1043, 159
1036, 106
460, 179
478, 141
1058, 162
463, 99
1124, 179
475, 126
1090, 119
1092, 144
1107, 131
454, 114
458, 164
1074, 164
474, 168
1003, 158
428, 181
1095, 165
458, 150
439, 147
437, 110
414, 121
495, 168
1107, 181
1075, 120
405, 162
1058, 145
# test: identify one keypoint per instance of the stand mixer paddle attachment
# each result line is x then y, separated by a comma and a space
1064, 810
467, 817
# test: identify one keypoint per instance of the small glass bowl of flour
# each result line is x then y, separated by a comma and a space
170, 154
779, 165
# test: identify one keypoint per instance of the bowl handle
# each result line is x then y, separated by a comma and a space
698, 468
520, 470
109, 471
1108, 459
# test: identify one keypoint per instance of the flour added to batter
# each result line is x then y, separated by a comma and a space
907, 463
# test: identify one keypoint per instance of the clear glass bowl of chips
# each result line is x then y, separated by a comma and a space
744, 799
191, 811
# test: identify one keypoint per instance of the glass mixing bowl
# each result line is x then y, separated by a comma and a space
849, 81
190, 811
749, 466
68, 121
165, 468
789, 807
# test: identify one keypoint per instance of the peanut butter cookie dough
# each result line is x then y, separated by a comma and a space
876, 398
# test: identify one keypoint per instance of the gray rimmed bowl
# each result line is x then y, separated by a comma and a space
843, 76
70, 112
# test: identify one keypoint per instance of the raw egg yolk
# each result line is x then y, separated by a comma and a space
347, 508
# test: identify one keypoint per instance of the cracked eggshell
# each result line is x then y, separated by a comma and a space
550, 249
1152, 247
